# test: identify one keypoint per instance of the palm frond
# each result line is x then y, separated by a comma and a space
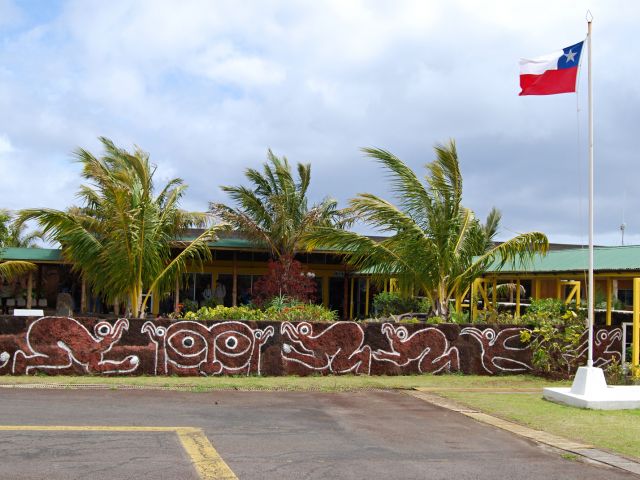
14, 268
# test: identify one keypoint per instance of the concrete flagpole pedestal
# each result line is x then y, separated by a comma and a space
590, 390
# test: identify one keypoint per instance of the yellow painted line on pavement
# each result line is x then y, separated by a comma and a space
205, 459
207, 462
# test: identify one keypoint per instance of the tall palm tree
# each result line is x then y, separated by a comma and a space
274, 212
122, 236
436, 246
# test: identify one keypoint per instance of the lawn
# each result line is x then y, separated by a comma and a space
618, 431
290, 383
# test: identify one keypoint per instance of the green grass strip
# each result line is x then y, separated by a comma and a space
617, 431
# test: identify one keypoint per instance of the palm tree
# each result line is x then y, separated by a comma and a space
436, 246
14, 234
122, 236
274, 212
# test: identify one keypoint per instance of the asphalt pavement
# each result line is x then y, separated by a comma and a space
265, 435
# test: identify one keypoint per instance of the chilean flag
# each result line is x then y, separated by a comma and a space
552, 73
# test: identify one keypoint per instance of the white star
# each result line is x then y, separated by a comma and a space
570, 56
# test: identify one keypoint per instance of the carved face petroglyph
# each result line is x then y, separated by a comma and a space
194, 348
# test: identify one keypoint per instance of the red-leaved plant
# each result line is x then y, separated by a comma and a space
286, 277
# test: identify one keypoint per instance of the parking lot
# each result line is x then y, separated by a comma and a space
104, 434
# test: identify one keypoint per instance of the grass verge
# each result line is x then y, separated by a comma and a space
617, 431
290, 383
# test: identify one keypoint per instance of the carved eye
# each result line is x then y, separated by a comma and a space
603, 335
402, 333
187, 343
233, 344
257, 334
161, 331
304, 329
103, 329
489, 334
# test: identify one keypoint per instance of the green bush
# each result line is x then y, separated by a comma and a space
278, 312
551, 310
189, 306
458, 317
554, 342
280, 302
307, 312
499, 318
386, 304
547, 307
226, 313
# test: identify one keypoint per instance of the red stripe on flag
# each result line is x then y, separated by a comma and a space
550, 82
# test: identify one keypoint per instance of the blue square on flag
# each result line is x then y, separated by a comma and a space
570, 57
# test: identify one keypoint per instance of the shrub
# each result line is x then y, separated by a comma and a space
554, 342
552, 310
308, 312
226, 313
386, 304
292, 311
459, 317
499, 318
189, 306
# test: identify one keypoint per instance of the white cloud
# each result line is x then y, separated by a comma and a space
206, 87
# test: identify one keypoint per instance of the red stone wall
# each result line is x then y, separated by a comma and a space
59, 345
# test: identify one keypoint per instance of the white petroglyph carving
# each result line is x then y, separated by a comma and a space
193, 348
604, 347
56, 343
494, 345
338, 348
428, 348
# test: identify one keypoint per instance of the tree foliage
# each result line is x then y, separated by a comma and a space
15, 234
286, 278
436, 246
122, 235
274, 212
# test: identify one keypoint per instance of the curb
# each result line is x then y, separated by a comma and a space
576, 448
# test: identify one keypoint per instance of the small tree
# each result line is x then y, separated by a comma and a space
288, 278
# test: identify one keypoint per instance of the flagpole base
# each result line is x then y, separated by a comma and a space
590, 390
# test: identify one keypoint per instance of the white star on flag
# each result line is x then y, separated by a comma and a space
570, 56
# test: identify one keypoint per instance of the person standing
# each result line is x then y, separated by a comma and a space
206, 295
219, 293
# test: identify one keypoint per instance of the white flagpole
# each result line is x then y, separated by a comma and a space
591, 283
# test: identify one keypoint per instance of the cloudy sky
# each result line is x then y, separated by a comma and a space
208, 86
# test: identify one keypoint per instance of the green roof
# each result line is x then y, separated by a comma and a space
577, 260
234, 242
31, 254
